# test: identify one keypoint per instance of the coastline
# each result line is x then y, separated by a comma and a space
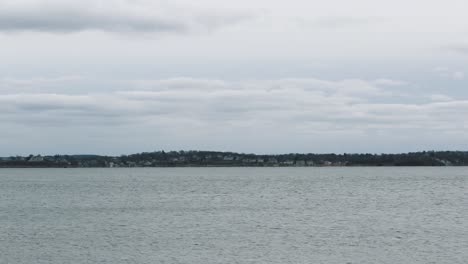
162, 159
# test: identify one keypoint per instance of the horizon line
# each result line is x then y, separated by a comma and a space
243, 153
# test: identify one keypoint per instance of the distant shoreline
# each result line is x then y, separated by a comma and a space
203, 159
246, 167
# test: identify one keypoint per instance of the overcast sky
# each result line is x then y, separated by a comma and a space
262, 76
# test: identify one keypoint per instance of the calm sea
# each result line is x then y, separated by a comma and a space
234, 215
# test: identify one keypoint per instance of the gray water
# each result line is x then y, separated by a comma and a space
234, 215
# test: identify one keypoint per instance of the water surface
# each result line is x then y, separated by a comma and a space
234, 215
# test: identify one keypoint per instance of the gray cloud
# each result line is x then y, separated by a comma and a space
113, 16
459, 48
63, 21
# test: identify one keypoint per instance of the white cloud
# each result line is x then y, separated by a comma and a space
15, 85
445, 72
458, 75
390, 82
441, 97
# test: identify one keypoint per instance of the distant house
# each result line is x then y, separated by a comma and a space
287, 163
38, 158
445, 162
228, 158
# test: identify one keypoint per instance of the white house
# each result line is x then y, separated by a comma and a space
38, 158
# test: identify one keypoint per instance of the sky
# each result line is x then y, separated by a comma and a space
259, 76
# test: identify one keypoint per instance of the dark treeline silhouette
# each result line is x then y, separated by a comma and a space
214, 158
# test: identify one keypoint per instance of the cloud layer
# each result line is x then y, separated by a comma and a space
110, 16
111, 92
314, 103
303, 114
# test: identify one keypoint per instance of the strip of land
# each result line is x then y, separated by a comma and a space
231, 159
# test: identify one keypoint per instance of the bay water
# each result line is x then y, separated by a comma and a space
234, 215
